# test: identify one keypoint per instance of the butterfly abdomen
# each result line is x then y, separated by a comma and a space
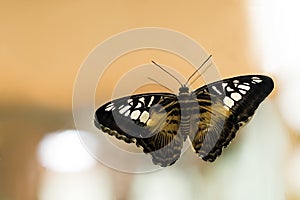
188, 108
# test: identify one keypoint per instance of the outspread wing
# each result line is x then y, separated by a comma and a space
224, 107
150, 120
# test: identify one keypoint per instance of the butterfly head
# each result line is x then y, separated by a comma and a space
183, 89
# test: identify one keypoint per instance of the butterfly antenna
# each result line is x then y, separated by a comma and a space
198, 76
207, 59
167, 72
159, 83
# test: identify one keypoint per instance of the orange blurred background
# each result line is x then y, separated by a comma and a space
44, 43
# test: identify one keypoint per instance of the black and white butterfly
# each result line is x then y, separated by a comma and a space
210, 116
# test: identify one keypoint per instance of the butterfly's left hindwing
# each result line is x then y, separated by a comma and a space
225, 106
149, 120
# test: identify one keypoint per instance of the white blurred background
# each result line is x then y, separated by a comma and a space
43, 44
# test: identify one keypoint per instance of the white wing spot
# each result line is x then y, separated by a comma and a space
142, 99
135, 114
216, 90
243, 91
256, 79
229, 89
139, 105
110, 107
144, 117
130, 102
228, 102
236, 81
244, 87
236, 96
224, 85
151, 101
124, 109
127, 113
121, 106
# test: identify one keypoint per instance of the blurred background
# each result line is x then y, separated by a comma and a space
44, 43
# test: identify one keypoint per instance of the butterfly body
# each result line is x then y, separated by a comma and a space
209, 116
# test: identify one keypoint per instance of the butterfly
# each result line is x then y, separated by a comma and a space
209, 116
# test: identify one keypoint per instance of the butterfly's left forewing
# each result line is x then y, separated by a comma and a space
150, 120
224, 107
